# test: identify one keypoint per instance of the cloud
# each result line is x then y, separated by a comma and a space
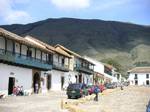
71, 4
10, 15
18, 17
109, 4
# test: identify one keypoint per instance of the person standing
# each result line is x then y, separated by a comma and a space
96, 91
36, 88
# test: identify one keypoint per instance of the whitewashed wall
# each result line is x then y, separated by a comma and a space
141, 78
24, 50
17, 47
44, 82
23, 77
56, 80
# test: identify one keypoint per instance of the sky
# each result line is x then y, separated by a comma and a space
28, 11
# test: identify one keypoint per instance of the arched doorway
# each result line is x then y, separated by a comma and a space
36, 82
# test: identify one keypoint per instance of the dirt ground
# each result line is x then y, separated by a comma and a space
131, 99
34, 103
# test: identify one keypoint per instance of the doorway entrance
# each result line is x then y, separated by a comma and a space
147, 82
136, 82
49, 82
11, 84
62, 82
80, 78
36, 82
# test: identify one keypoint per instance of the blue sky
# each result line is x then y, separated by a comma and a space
27, 11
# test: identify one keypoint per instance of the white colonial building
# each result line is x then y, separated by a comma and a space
139, 76
58, 75
22, 63
81, 70
104, 71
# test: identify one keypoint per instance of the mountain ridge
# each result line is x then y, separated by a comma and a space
122, 42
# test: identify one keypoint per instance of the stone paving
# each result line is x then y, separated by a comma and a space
131, 99
34, 103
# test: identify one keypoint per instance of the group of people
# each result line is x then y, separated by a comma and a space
18, 91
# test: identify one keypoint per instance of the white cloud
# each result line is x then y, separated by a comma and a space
109, 4
10, 16
18, 17
71, 4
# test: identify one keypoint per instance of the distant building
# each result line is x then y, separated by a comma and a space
105, 72
139, 76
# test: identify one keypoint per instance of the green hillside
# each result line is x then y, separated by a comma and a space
127, 44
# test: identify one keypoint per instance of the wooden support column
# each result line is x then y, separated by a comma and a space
68, 62
20, 49
28, 52
5, 45
46, 57
41, 55
35, 54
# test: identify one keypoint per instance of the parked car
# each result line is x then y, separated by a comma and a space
91, 89
114, 84
84, 90
126, 83
74, 91
102, 87
77, 90
109, 86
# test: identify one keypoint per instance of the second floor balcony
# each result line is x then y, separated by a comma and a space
23, 60
60, 66
84, 69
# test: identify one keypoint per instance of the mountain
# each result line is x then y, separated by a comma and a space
127, 44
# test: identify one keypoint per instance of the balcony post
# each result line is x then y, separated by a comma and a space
5, 45
20, 49
35, 54
41, 55
46, 57
68, 62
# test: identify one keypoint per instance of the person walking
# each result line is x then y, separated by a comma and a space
36, 88
96, 91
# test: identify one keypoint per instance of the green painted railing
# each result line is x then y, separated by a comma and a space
16, 58
60, 66
83, 69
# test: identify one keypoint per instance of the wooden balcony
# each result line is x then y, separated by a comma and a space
84, 69
23, 60
60, 66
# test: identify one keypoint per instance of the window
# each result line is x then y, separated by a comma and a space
29, 53
147, 75
63, 61
135, 77
136, 82
50, 57
147, 82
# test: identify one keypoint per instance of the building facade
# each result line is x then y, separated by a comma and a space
22, 63
81, 70
103, 72
139, 76
58, 75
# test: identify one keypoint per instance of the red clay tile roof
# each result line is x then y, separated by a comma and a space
140, 70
